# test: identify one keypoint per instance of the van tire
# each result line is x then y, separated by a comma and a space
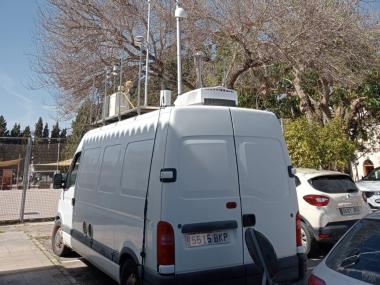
307, 238
59, 248
129, 273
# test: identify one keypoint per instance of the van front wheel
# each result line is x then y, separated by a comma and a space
129, 274
59, 248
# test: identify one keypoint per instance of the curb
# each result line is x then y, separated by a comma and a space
53, 260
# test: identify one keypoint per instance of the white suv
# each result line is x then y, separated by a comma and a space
329, 204
370, 186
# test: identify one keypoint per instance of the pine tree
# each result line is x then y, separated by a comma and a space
45, 132
3, 127
26, 132
38, 128
63, 134
55, 131
16, 131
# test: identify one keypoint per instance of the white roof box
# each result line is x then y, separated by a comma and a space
218, 96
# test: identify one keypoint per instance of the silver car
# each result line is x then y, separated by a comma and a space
370, 186
355, 260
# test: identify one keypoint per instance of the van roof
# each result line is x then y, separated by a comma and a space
141, 124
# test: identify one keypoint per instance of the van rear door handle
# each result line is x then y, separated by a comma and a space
249, 220
73, 201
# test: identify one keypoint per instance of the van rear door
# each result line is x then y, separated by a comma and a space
203, 204
267, 193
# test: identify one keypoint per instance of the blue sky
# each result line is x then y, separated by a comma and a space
18, 102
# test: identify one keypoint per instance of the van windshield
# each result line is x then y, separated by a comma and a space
333, 184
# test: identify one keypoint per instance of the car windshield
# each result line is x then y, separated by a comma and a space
358, 254
333, 184
374, 175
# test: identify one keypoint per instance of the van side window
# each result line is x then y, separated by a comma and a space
72, 176
89, 169
109, 172
136, 165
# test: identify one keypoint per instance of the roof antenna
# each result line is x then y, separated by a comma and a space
179, 14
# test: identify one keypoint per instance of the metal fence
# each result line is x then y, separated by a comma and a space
27, 167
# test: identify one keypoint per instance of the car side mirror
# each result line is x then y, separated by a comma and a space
59, 181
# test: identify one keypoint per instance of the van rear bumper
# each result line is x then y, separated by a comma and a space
291, 269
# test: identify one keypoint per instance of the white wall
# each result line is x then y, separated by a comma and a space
373, 155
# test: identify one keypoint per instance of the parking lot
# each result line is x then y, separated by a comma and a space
26, 258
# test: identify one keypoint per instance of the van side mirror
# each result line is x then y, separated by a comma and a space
262, 253
59, 181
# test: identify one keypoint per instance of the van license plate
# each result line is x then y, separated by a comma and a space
349, 211
195, 240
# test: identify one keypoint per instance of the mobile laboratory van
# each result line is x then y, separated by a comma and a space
165, 197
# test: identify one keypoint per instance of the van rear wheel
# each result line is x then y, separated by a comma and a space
59, 248
129, 274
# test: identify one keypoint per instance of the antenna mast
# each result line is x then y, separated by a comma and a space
179, 14
147, 57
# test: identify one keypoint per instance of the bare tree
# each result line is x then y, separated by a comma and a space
336, 39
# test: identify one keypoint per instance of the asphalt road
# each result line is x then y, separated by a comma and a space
79, 271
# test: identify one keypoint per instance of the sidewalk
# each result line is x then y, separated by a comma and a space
23, 261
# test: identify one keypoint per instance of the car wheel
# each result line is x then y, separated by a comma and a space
307, 238
59, 248
129, 274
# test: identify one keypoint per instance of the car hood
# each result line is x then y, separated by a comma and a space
368, 185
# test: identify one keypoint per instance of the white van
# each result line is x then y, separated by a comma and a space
165, 197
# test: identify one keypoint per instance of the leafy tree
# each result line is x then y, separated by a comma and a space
38, 128
45, 132
3, 127
316, 146
26, 132
55, 132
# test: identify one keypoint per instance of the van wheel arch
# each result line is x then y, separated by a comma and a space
127, 253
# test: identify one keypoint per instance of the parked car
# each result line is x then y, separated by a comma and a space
355, 258
329, 204
165, 197
370, 186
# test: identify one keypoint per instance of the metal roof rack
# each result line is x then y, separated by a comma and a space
126, 115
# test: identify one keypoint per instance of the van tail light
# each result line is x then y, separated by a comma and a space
298, 230
317, 200
314, 280
165, 244
364, 197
